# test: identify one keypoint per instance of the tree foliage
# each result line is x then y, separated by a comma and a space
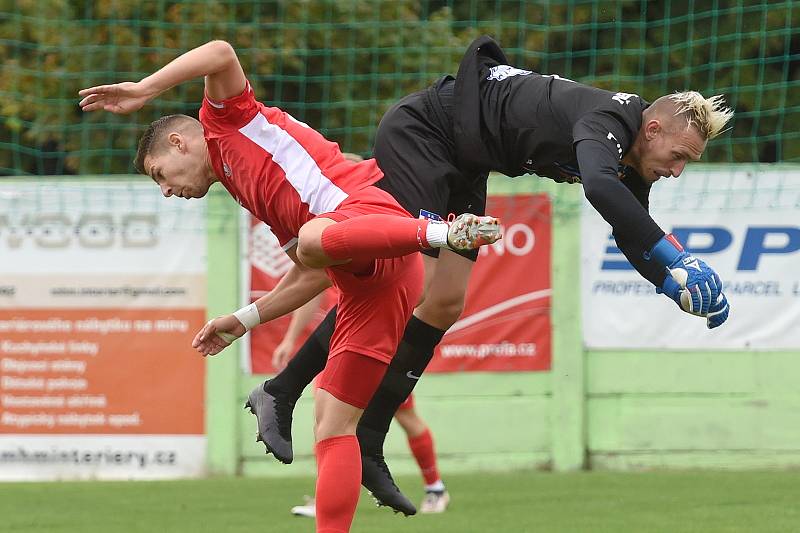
338, 64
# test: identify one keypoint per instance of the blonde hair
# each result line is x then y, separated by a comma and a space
708, 115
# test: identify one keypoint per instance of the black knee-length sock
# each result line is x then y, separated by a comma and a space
309, 361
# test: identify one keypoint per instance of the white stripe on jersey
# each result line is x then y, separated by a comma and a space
314, 188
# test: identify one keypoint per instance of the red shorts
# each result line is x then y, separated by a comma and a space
372, 310
332, 386
368, 201
352, 378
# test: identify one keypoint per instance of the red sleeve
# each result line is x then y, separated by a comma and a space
220, 118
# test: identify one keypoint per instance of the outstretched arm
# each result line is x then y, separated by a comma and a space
691, 283
611, 198
634, 251
216, 60
299, 285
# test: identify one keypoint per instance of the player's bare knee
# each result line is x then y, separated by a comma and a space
421, 299
309, 248
326, 429
309, 257
453, 307
333, 417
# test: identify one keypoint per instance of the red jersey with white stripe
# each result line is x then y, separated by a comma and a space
281, 170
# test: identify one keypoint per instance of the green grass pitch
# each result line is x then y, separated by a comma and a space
527, 501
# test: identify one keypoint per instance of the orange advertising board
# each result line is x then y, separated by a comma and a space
102, 289
100, 372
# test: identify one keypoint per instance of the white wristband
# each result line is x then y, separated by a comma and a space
248, 316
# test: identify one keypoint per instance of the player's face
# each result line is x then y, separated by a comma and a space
668, 151
179, 171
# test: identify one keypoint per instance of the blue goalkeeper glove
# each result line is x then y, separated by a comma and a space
671, 288
717, 313
702, 284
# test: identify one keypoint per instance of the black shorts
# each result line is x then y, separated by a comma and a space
415, 150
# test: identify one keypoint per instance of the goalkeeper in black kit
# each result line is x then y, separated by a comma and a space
438, 147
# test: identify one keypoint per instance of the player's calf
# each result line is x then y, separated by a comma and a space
381, 236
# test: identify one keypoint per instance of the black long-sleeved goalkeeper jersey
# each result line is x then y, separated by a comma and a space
517, 121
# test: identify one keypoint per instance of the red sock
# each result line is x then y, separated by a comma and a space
338, 483
374, 237
425, 454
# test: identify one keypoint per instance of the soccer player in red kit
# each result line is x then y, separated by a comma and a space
418, 434
333, 223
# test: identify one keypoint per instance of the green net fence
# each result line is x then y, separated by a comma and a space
338, 64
